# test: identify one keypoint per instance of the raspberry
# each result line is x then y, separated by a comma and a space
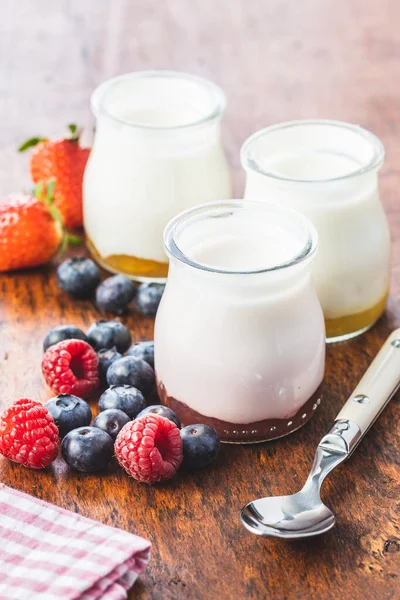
70, 367
149, 448
28, 434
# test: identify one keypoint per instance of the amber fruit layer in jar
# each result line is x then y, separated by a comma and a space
129, 265
246, 433
349, 324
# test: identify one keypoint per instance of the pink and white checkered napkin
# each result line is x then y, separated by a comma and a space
49, 553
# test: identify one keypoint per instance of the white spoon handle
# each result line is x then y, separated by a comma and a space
377, 386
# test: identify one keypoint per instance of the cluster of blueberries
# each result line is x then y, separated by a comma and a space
80, 277
89, 448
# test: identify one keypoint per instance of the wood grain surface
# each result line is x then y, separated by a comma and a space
277, 60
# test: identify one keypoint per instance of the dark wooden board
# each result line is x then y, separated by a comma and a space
277, 60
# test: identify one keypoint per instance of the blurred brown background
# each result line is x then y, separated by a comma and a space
276, 60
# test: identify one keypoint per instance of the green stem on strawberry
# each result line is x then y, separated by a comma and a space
74, 135
74, 240
45, 193
75, 132
33, 141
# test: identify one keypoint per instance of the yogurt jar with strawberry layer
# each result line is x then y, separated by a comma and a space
157, 151
239, 336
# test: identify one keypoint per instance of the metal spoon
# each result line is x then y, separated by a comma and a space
303, 514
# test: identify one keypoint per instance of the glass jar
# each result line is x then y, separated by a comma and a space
239, 335
157, 151
328, 170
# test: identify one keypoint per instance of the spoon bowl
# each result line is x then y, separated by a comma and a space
286, 517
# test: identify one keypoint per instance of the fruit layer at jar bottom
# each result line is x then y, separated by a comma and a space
246, 433
349, 324
129, 265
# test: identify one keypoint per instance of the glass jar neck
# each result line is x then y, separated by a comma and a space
240, 241
159, 101
158, 112
313, 153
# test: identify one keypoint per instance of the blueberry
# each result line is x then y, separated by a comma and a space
200, 445
124, 397
69, 412
61, 333
163, 411
115, 293
87, 449
107, 334
132, 371
143, 350
148, 298
78, 276
111, 421
106, 357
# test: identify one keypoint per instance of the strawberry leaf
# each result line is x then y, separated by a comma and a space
38, 190
63, 245
55, 213
31, 143
50, 191
74, 240
75, 132
45, 193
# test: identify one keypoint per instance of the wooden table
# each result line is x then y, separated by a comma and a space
277, 60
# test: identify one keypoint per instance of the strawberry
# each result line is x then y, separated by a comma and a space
63, 160
31, 230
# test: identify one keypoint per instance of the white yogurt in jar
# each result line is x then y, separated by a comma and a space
328, 171
234, 344
157, 151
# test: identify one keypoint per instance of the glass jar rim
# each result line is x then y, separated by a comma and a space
219, 104
172, 229
377, 158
